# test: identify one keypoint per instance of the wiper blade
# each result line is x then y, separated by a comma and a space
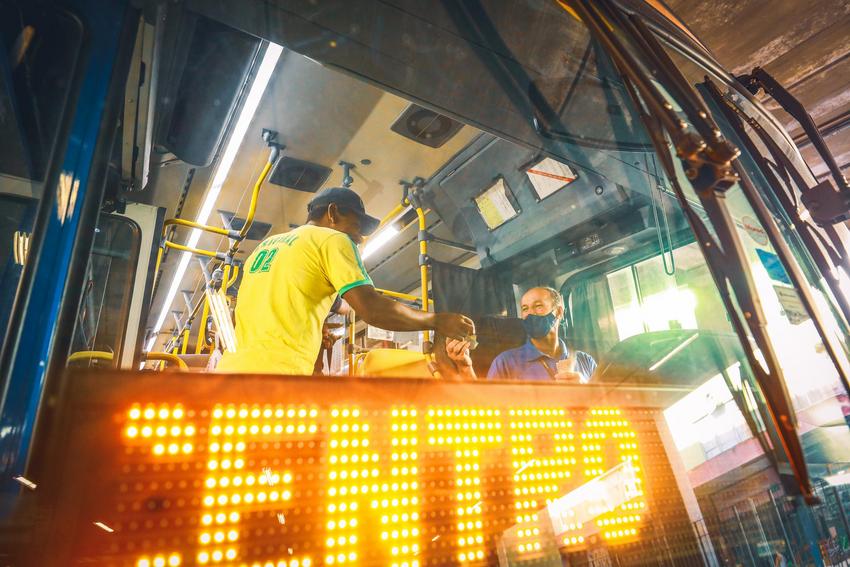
707, 160
784, 253
827, 205
823, 242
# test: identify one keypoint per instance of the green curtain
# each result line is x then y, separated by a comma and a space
591, 326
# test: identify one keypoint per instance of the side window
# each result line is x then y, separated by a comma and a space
17, 214
104, 309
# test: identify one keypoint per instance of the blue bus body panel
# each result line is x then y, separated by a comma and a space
21, 401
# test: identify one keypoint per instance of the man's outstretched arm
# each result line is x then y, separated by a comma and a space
391, 315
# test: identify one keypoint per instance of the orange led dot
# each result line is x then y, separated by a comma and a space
231, 554
132, 431
217, 555
187, 448
158, 449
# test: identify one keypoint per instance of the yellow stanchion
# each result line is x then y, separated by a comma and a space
202, 332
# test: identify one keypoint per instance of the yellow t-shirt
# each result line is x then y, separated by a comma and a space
288, 286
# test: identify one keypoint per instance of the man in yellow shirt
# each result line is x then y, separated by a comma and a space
290, 281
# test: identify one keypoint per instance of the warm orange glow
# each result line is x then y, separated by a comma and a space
372, 479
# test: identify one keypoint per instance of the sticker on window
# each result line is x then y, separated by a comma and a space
773, 266
791, 304
549, 176
495, 204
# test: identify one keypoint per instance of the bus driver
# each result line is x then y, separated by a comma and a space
544, 356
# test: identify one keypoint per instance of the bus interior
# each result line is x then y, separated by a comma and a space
498, 160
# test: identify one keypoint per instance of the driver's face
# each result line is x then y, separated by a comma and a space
537, 301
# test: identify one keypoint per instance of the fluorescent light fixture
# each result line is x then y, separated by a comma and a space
221, 315
26, 482
252, 101
376, 241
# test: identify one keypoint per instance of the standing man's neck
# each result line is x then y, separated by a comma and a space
548, 345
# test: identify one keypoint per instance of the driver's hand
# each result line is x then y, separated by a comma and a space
458, 351
566, 369
454, 325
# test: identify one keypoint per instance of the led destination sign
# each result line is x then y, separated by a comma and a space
395, 479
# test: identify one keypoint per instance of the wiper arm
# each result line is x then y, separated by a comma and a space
826, 205
822, 241
707, 160
784, 253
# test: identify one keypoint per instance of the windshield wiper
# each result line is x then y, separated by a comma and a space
822, 241
803, 229
706, 158
826, 204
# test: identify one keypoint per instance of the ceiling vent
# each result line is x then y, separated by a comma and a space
299, 174
425, 126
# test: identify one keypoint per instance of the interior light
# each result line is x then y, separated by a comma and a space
252, 101
379, 239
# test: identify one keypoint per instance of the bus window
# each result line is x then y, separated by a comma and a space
104, 311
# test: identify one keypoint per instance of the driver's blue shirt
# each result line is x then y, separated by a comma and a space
528, 363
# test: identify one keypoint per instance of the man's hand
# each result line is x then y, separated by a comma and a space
458, 352
566, 369
454, 325
328, 336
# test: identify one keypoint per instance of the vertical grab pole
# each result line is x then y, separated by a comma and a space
184, 346
423, 259
202, 332
351, 333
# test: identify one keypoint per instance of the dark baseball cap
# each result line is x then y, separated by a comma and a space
345, 199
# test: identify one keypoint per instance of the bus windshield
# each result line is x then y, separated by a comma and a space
619, 400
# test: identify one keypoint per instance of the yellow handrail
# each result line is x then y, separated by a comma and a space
249, 220
202, 332
392, 214
198, 251
103, 355
351, 336
184, 347
199, 226
252, 207
90, 355
167, 357
234, 275
423, 269
405, 296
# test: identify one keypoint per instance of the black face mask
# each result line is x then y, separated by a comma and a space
538, 326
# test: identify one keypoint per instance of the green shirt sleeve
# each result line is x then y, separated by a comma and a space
342, 264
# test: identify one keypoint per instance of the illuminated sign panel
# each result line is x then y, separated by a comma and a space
300, 472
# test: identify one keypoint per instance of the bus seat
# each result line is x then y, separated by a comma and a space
195, 362
391, 362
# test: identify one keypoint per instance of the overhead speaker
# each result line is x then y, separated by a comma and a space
299, 174
425, 126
